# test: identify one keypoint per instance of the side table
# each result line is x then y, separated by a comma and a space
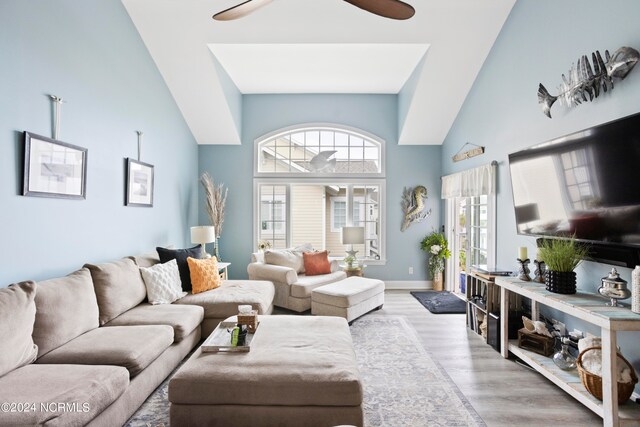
222, 269
353, 271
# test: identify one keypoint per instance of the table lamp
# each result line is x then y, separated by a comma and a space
203, 234
352, 236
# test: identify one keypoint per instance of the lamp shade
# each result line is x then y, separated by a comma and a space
203, 234
352, 235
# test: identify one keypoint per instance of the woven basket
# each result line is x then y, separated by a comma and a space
593, 383
251, 320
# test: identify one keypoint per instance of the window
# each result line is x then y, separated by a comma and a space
470, 221
311, 181
318, 150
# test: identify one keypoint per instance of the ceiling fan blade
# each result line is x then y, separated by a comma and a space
394, 9
240, 10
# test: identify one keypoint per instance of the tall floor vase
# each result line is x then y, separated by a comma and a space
438, 281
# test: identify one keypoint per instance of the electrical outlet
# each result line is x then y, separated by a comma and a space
410, 270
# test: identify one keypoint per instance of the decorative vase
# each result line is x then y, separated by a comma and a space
560, 282
216, 249
438, 281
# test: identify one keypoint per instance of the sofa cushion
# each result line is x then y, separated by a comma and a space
133, 347
204, 274
224, 301
285, 258
182, 318
88, 389
66, 307
17, 315
118, 286
181, 255
163, 282
146, 260
305, 284
316, 263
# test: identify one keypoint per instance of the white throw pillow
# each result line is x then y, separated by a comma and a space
163, 282
285, 258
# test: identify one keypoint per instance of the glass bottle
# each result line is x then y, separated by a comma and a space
563, 359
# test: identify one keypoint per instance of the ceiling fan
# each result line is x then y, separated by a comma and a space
394, 9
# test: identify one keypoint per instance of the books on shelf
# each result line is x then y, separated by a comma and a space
487, 272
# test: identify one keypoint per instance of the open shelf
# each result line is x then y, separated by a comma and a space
569, 381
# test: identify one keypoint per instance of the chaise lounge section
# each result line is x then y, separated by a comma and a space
285, 269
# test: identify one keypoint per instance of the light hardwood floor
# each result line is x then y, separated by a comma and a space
501, 391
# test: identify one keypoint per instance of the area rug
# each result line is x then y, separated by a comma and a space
403, 385
443, 302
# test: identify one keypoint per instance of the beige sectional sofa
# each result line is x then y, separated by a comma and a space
86, 349
293, 287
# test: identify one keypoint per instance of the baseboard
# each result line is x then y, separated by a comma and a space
411, 285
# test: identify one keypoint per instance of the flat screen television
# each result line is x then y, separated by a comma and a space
586, 185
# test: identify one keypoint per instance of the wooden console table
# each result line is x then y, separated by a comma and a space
587, 307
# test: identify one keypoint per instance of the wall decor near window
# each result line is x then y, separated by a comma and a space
583, 82
413, 206
139, 191
53, 168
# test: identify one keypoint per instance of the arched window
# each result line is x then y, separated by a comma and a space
311, 181
318, 150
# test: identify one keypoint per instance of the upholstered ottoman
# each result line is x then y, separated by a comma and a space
301, 370
349, 298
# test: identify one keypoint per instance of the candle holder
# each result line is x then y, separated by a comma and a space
539, 271
523, 270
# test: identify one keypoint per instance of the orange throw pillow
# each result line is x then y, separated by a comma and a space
204, 274
316, 263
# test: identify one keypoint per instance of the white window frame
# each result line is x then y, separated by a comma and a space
380, 143
327, 180
361, 213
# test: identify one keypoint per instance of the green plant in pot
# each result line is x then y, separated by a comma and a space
349, 260
436, 245
562, 256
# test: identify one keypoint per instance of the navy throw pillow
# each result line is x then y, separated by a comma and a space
181, 255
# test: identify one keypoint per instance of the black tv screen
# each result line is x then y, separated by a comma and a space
586, 184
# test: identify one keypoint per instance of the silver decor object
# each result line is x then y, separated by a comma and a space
614, 287
413, 206
538, 273
523, 270
583, 82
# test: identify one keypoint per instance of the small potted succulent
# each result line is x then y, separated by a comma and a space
562, 256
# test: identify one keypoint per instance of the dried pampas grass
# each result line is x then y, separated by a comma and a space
215, 200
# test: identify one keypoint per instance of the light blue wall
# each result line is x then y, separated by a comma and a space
90, 54
376, 114
538, 43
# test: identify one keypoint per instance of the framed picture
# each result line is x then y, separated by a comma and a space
53, 168
139, 191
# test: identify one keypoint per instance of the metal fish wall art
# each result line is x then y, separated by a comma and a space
584, 82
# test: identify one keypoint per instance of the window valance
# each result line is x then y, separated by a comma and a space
470, 183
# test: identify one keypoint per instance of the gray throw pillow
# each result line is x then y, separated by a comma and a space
17, 315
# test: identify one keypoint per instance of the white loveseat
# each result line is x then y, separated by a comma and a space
285, 269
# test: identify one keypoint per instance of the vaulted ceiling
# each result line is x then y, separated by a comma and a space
319, 46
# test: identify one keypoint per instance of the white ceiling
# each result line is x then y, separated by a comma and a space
319, 67
306, 35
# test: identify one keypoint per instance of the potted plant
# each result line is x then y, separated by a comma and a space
562, 256
436, 245
349, 260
